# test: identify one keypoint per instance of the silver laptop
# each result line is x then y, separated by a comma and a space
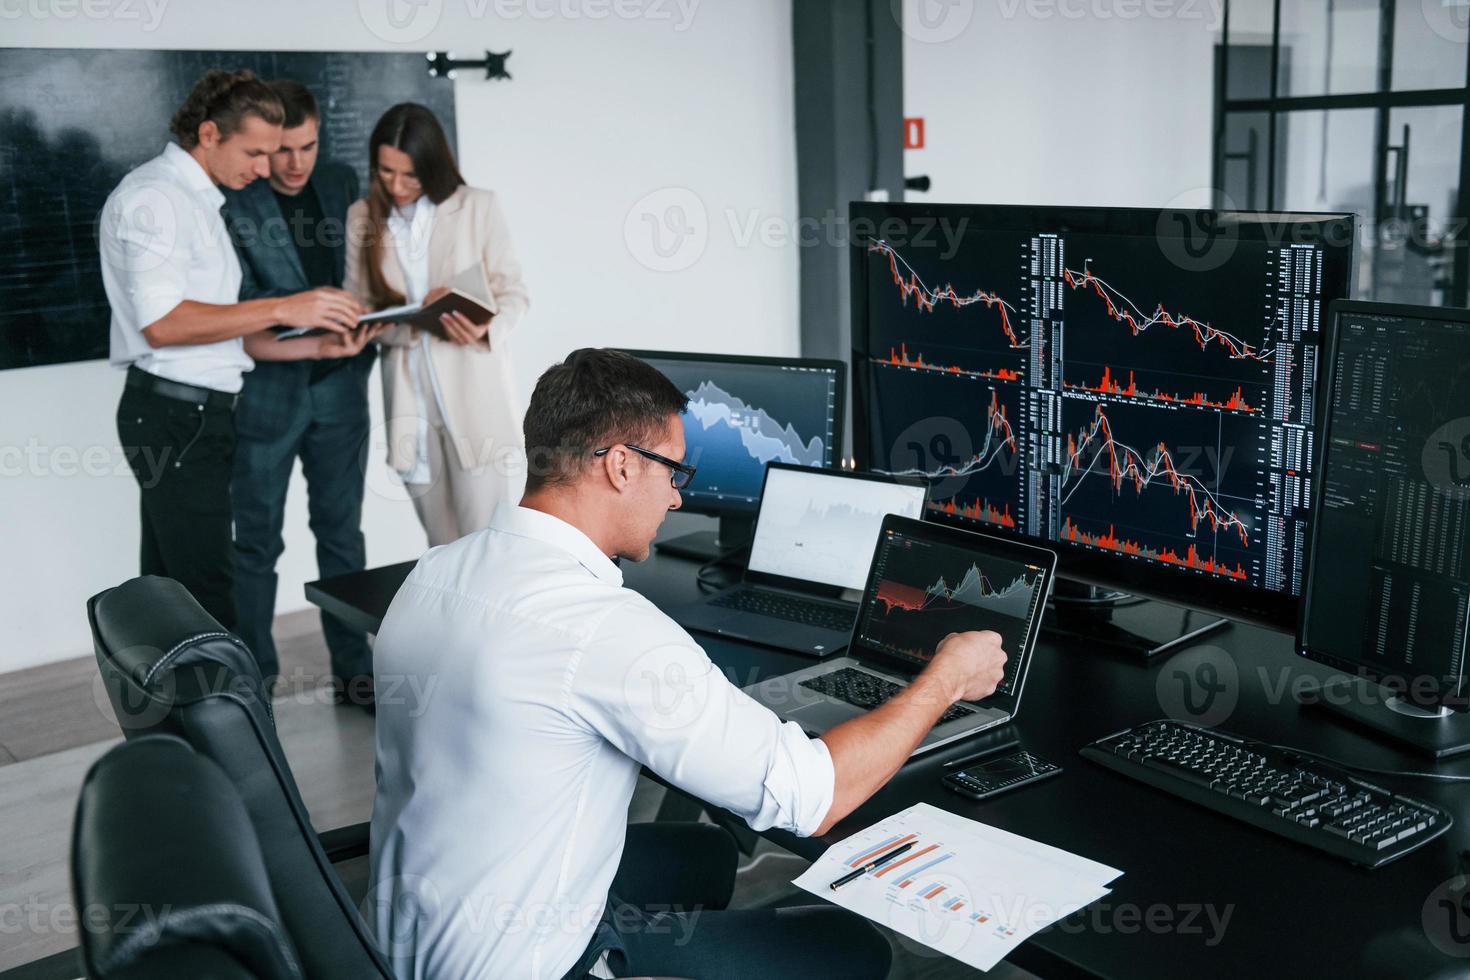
926, 581
814, 537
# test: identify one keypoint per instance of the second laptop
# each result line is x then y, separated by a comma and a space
809, 555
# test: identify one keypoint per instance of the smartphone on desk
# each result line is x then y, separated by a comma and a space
998, 773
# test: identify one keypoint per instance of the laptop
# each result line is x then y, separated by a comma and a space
814, 535
926, 581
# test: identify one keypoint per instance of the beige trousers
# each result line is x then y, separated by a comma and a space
458, 501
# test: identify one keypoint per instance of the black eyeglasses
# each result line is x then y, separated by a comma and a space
681, 477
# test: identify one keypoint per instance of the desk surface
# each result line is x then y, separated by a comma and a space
1201, 895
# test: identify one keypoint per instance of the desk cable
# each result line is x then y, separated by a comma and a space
1118, 600
1441, 776
702, 577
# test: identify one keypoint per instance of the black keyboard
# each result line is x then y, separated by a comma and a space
793, 609
1307, 801
866, 691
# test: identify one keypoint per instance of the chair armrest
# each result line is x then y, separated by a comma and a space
345, 843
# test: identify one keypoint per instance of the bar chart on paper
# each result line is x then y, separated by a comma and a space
965, 889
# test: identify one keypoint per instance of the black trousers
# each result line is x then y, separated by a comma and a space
182, 455
666, 916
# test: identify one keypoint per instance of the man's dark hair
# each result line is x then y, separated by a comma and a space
594, 398
297, 100
225, 98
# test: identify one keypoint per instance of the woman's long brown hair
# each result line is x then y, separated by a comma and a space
411, 128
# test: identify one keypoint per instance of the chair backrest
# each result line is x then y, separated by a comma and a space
169, 667
167, 872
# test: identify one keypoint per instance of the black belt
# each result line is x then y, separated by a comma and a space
177, 390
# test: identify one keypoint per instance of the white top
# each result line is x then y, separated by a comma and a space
410, 232
163, 241
520, 687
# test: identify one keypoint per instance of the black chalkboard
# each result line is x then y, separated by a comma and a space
74, 121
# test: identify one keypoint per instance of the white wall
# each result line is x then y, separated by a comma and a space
1062, 102
689, 102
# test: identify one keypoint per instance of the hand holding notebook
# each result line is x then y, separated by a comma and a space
426, 316
466, 294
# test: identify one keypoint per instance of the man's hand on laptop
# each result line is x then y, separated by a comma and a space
973, 663
867, 750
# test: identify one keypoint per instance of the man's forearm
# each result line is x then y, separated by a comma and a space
207, 323
869, 749
263, 346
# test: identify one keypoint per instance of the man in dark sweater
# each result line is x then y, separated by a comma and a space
306, 398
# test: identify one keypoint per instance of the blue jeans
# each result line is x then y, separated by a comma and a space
284, 414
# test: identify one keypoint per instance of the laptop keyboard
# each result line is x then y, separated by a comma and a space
789, 608
863, 690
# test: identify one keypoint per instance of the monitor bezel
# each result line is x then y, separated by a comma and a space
755, 577
1002, 547
1368, 672
1334, 230
717, 507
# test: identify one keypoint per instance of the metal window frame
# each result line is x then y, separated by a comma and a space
1383, 101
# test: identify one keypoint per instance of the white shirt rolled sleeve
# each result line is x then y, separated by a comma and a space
162, 241
646, 686
144, 242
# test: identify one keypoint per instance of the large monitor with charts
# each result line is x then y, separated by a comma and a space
743, 413
1388, 591
1137, 389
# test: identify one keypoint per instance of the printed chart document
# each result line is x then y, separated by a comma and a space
968, 890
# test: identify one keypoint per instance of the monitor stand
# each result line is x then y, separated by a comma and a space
707, 546
1087, 615
1436, 731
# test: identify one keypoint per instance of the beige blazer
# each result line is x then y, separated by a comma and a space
482, 410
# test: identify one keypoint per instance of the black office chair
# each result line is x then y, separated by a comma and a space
167, 872
170, 668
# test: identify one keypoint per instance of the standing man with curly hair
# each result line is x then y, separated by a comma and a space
173, 281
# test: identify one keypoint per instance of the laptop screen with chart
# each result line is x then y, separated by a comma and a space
927, 582
821, 526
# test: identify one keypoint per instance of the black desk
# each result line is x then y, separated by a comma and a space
360, 599
1292, 912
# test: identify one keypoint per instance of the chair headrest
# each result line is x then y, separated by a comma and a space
157, 647
164, 856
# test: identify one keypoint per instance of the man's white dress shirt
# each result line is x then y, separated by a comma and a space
163, 241
520, 688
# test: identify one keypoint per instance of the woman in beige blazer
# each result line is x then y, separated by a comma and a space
453, 415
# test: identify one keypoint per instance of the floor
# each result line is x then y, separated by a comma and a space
55, 721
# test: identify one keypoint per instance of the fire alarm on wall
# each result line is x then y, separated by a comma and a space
913, 133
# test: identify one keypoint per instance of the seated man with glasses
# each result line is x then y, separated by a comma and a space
500, 842
682, 476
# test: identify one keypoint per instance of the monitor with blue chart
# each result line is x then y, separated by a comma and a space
745, 412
